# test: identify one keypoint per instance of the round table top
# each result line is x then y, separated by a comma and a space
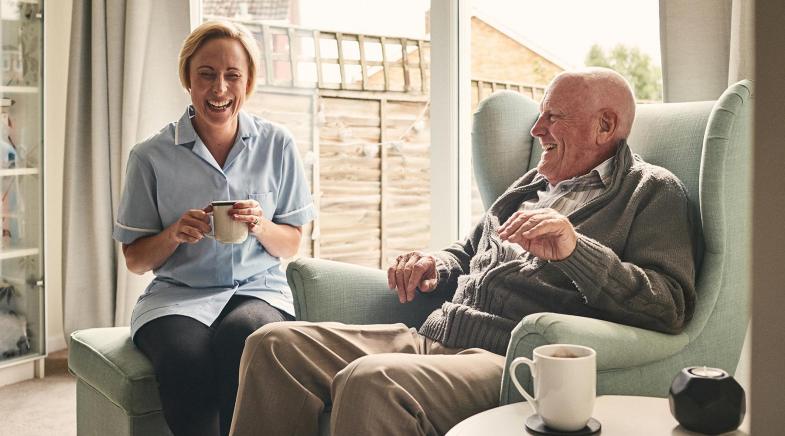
619, 415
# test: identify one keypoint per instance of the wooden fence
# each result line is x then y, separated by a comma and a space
297, 57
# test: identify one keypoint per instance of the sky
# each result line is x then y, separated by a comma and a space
565, 29
568, 28
374, 17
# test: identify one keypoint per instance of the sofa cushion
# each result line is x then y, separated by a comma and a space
107, 360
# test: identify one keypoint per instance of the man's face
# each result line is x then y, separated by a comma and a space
567, 130
219, 79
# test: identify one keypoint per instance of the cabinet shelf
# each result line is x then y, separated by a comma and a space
18, 89
18, 252
18, 172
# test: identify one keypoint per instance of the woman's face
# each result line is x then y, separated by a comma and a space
219, 82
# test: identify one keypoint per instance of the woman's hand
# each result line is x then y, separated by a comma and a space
249, 212
191, 226
280, 240
150, 252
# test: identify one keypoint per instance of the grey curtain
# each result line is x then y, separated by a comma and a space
122, 87
706, 45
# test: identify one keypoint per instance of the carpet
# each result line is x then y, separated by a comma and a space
41, 407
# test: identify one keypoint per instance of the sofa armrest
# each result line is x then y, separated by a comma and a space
618, 346
333, 291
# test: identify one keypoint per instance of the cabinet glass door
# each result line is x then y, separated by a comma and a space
22, 333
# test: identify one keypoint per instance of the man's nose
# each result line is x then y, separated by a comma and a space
538, 129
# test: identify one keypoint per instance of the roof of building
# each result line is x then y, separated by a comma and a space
490, 20
247, 9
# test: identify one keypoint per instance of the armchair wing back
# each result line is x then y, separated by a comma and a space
705, 144
502, 148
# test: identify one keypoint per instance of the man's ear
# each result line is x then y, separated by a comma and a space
609, 122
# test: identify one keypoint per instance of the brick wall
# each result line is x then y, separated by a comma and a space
497, 57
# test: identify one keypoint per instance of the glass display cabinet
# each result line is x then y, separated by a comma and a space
22, 303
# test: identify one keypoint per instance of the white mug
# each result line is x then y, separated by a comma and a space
224, 228
565, 383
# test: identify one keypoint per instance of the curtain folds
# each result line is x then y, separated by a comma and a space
706, 45
122, 87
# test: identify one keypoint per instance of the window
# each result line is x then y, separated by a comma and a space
351, 80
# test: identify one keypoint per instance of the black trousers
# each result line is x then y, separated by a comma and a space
198, 366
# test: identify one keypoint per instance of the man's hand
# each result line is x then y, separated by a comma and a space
544, 233
411, 271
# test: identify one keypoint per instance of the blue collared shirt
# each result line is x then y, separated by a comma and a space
173, 171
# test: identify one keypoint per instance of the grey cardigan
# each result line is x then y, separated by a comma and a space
634, 263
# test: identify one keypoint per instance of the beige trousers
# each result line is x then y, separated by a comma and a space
378, 380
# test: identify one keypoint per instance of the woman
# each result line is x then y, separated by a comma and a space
207, 297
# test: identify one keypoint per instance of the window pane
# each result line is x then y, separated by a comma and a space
350, 80
520, 45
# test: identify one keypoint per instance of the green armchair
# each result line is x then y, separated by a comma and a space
706, 144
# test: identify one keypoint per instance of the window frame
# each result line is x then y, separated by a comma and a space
451, 106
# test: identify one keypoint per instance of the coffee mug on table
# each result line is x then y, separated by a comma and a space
565, 382
224, 228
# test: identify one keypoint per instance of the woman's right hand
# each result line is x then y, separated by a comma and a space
192, 226
150, 252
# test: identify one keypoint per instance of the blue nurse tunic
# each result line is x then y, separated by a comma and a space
173, 171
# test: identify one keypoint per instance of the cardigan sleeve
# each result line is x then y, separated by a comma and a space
453, 261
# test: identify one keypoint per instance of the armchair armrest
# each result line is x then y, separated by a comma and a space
618, 346
333, 291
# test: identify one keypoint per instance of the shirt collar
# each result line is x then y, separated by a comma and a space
184, 132
604, 171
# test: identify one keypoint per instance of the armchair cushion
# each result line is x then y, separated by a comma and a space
333, 291
107, 360
618, 346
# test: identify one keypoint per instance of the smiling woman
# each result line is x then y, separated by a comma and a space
208, 296
219, 83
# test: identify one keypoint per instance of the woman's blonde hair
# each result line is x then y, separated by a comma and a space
216, 30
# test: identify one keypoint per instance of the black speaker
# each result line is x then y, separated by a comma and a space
707, 400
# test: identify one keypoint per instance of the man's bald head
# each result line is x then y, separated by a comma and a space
603, 89
584, 116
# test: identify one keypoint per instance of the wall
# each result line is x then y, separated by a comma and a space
57, 31
500, 58
768, 212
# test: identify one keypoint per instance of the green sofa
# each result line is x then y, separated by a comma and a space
706, 144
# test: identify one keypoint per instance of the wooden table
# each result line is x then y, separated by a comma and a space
619, 416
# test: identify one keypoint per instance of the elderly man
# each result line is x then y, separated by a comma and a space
593, 231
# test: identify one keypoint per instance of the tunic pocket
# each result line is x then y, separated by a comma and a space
267, 202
